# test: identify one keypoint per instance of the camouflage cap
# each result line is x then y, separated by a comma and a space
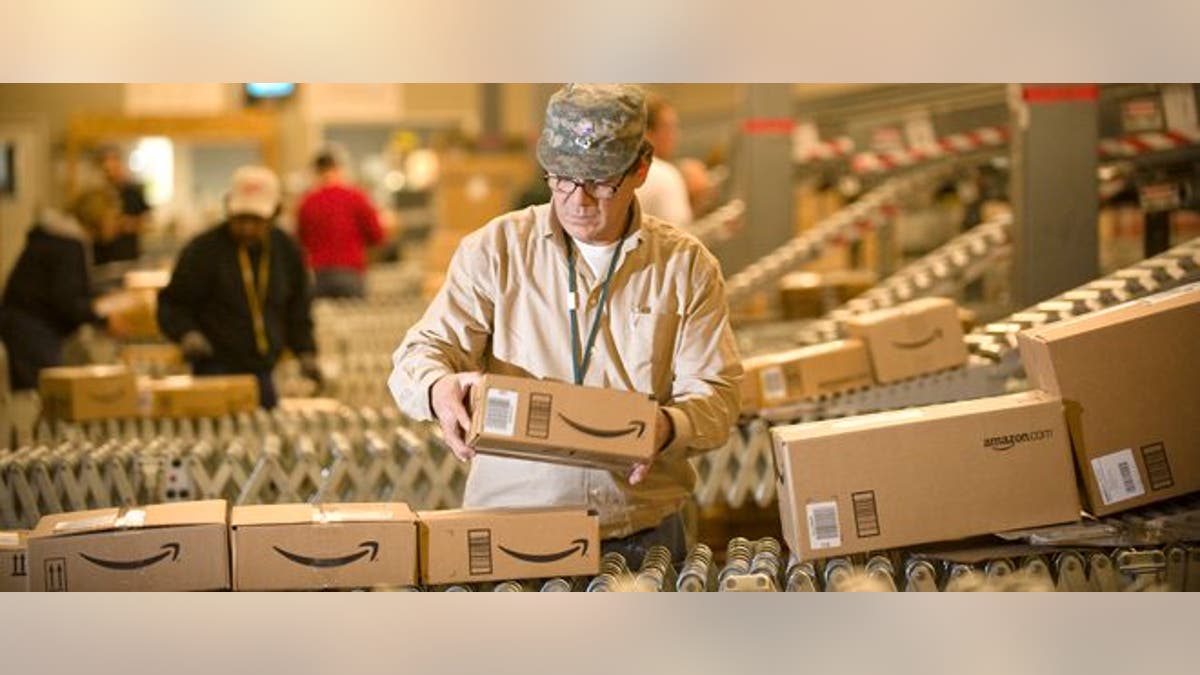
592, 131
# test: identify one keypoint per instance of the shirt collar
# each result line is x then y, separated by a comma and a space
548, 225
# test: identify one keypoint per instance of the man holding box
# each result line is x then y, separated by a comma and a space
645, 312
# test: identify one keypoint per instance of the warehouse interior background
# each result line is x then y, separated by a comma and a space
1022, 204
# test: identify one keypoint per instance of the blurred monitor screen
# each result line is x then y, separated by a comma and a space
270, 89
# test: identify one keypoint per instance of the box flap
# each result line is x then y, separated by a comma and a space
207, 512
1117, 314
296, 514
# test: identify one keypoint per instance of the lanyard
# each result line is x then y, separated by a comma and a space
576, 365
257, 297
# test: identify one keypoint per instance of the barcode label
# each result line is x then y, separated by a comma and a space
774, 384
823, 529
538, 424
500, 412
1158, 470
479, 552
1118, 477
866, 518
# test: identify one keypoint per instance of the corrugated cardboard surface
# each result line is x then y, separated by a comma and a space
161, 547
81, 393
329, 546
469, 545
1130, 379
14, 561
562, 423
808, 372
925, 474
918, 337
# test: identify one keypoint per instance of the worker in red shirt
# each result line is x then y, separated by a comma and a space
336, 223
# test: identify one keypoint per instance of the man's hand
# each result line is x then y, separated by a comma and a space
195, 346
664, 433
447, 398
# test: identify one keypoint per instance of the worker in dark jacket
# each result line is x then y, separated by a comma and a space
239, 294
47, 297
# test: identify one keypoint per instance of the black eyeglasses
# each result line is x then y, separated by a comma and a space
566, 186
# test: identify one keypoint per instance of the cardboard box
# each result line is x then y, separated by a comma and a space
207, 396
924, 475
469, 545
280, 547
1130, 379
808, 372
181, 546
79, 393
918, 337
562, 423
137, 306
14, 561
153, 359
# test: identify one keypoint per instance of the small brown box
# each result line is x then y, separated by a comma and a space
918, 337
562, 423
180, 546
80, 393
327, 546
469, 545
807, 372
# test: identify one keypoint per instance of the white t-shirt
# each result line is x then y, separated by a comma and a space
598, 256
664, 194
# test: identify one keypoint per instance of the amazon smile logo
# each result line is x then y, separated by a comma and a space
171, 550
936, 335
368, 548
1008, 441
637, 427
580, 545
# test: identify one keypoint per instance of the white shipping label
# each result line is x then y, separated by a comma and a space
500, 412
823, 528
774, 384
1118, 477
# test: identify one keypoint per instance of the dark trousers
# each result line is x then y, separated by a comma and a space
338, 282
267, 397
668, 533
32, 344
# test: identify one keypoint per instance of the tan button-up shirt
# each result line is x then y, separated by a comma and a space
504, 308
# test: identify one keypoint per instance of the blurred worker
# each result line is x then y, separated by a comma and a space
664, 194
48, 297
701, 190
239, 294
335, 224
584, 289
126, 245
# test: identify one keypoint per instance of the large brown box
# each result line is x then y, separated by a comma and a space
562, 423
14, 561
918, 337
181, 546
137, 306
79, 393
469, 545
280, 547
807, 372
1130, 379
923, 475
204, 396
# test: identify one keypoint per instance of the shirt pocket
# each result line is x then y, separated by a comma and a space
651, 351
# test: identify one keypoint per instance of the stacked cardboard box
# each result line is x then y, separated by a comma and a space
201, 396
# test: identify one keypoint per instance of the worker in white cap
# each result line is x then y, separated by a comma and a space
239, 295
